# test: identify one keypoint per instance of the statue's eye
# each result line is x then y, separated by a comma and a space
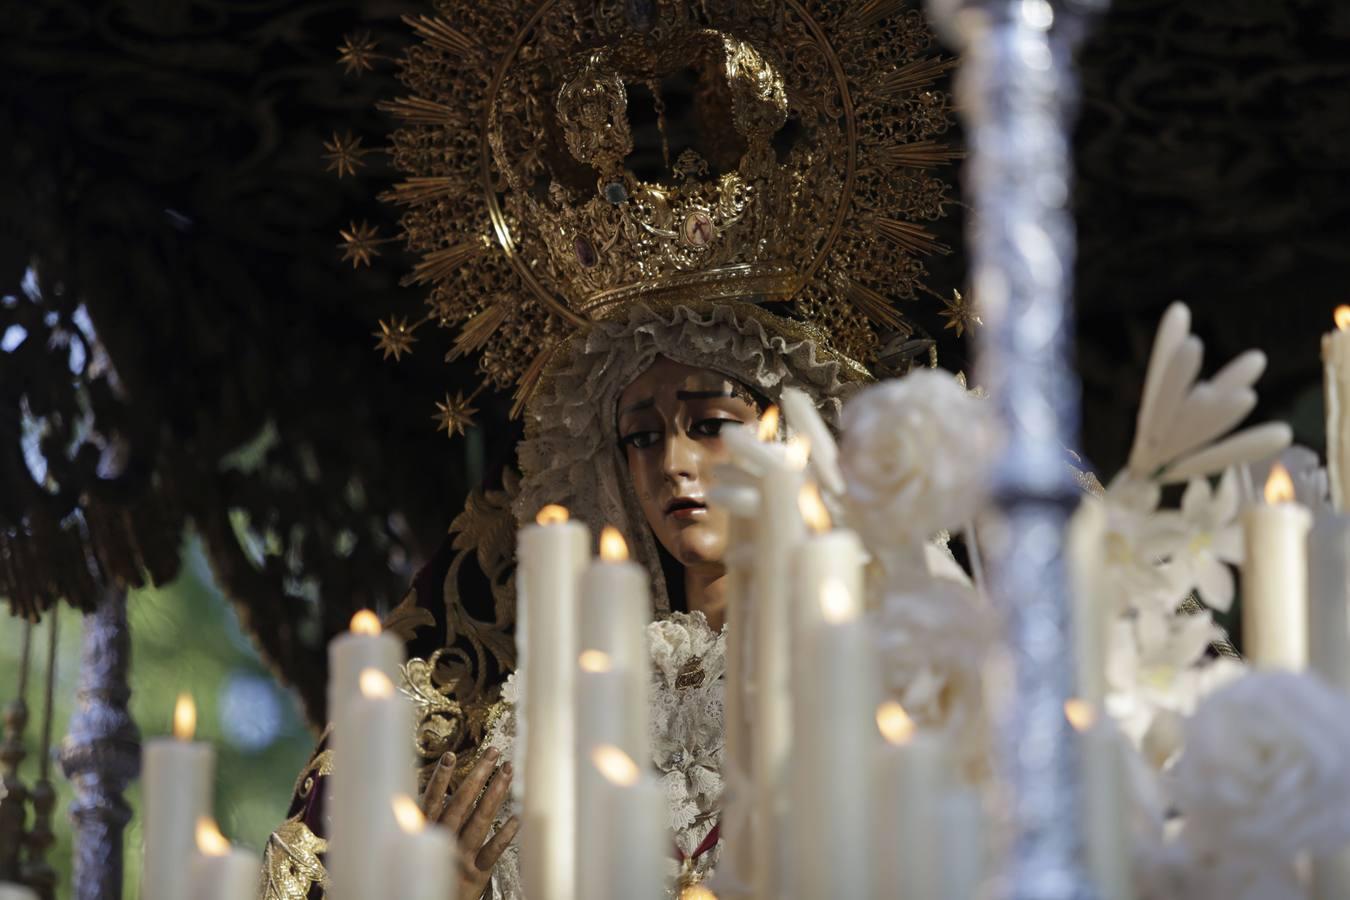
640, 440
710, 427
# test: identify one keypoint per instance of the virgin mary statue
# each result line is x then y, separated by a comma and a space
646, 218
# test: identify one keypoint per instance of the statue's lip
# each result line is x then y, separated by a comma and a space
685, 506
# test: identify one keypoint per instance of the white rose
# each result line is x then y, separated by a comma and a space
1266, 769
915, 455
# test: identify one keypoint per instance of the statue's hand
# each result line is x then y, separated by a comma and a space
470, 817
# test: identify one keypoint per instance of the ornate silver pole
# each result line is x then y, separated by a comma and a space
1015, 89
101, 754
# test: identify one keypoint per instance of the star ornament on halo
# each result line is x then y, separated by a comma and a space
395, 338
360, 243
960, 313
357, 53
345, 154
455, 415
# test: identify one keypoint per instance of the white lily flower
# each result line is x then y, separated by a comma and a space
1214, 539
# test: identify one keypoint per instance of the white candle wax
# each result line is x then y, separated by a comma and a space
16, 892
631, 820
1105, 800
551, 556
232, 875
1329, 600
962, 824
615, 613
911, 774
735, 863
372, 765
177, 774
778, 531
1087, 531
601, 695
1275, 581
420, 858
1336, 387
836, 555
363, 646
835, 698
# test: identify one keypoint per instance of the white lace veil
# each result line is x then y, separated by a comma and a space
571, 454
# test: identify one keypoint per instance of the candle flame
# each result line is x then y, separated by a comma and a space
184, 718
210, 842
1342, 317
375, 684
365, 622
768, 424
697, 892
594, 661
813, 508
836, 603
1279, 486
895, 724
617, 767
409, 818
1080, 713
798, 451
552, 514
613, 548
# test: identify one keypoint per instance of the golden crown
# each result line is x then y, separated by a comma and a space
539, 202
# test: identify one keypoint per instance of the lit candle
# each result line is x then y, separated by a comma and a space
1275, 577
835, 698
615, 612
421, 859
1329, 655
1329, 599
178, 773
602, 693
1085, 545
221, 871
778, 532
551, 555
363, 646
825, 555
911, 774
1336, 385
632, 820
1104, 799
372, 764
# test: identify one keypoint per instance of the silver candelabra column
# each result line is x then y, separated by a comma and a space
101, 755
1016, 91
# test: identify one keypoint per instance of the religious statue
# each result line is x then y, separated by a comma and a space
640, 277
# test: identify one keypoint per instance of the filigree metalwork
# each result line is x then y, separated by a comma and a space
291, 863
1015, 89
522, 196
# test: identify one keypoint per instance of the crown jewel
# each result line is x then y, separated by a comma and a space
541, 194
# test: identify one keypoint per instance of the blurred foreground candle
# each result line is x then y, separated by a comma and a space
615, 613
778, 532
362, 646
373, 763
911, 773
1275, 577
177, 772
1105, 799
1086, 537
1336, 387
221, 871
835, 700
15, 892
632, 818
421, 858
1329, 654
551, 555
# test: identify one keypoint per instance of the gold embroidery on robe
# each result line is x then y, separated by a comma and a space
291, 863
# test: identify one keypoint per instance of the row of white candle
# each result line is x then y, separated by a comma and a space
850, 799
594, 818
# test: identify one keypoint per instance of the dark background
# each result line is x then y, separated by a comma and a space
161, 170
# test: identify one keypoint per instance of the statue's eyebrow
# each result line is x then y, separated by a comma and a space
638, 406
705, 395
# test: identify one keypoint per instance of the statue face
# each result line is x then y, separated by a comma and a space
670, 419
